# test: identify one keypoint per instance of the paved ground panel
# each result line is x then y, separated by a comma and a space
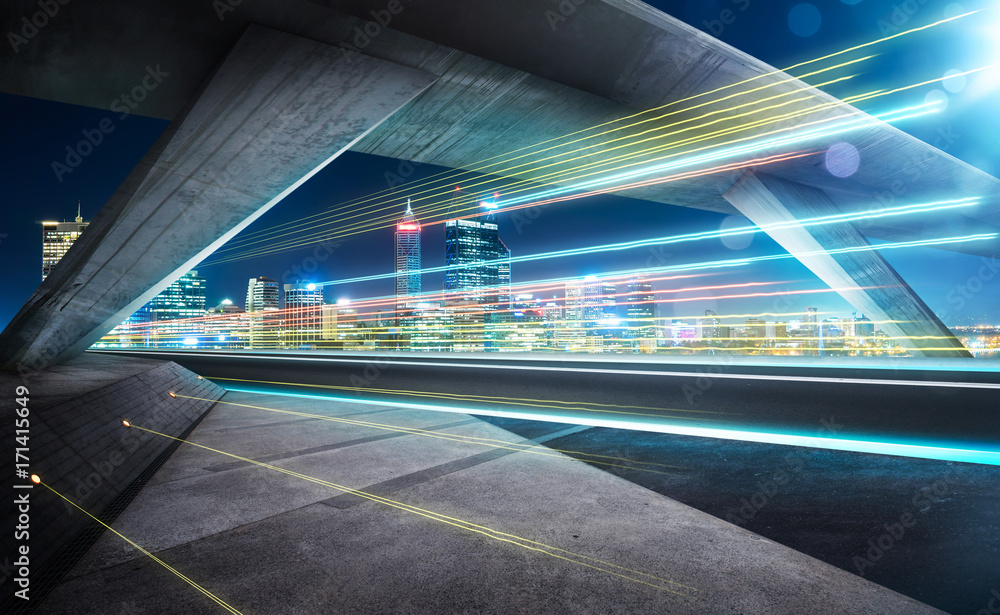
270, 543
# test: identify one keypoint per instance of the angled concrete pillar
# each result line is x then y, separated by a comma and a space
864, 278
275, 111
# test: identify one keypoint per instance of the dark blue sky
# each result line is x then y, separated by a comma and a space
34, 133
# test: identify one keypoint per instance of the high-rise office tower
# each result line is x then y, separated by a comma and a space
573, 303
262, 308
570, 332
756, 331
407, 273
503, 276
639, 309
303, 313
478, 264
57, 237
262, 295
407, 257
809, 321
710, 326
864, 328
135, 330
177, 313
599, 305
225, 326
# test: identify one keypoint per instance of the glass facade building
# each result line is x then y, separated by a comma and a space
407, 257
263, 313
177, 313
478, 264
639, 309
57, 237
303, 314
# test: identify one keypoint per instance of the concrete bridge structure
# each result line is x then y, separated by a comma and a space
261, 94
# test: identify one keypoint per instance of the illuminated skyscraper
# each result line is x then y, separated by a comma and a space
639, 309
478, 264
570, 333
177, 313
303, 314
407, 257
599, 305
262, 307
574, 301
710, 326
809, 321
57, 237
756, 331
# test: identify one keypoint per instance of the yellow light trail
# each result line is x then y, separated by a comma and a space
636, 576
385, 220
861, 46
451, 176
388, 221
631, 139
520, 447
229, 609
373, 225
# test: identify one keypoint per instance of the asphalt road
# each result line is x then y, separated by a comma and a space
931, 405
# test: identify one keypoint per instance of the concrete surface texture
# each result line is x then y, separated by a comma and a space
266, 542
863, 278
487, 94
276, 110
514, 79
76, 441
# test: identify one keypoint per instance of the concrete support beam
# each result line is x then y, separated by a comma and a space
863, 278
275, 111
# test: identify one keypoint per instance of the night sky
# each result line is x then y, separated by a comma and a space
34, 133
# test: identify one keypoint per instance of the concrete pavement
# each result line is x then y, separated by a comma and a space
266, 542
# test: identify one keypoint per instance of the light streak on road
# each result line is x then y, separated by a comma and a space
529, 447
521, 401
177, 573
578, 559
883, 446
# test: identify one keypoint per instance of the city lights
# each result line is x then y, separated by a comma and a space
551, 306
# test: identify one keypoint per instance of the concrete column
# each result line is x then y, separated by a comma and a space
275, 111
867, 281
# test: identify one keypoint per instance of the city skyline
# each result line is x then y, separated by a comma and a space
479, 308
297, 316
954, 285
